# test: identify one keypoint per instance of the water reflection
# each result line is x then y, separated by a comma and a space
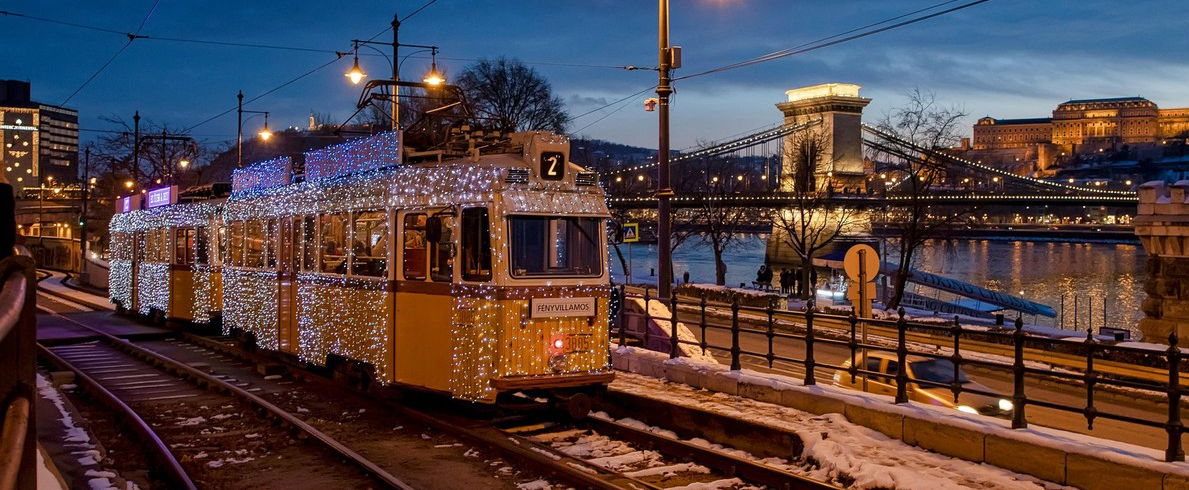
1101, 276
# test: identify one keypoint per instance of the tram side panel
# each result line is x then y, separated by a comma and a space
351, 318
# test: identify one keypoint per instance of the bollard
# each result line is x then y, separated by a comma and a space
1090, 379
956, 358
771, 335
1017, 398
1174, 452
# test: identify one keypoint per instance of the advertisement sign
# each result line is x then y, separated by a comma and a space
161, 196
127, 203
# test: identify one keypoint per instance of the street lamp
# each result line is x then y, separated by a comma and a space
264, 134
356, 74
665, 54
434, 77
184, 163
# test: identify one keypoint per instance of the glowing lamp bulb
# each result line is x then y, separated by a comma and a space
434, 77
265, 134
558, 344
355, 74
184, 163
128, 184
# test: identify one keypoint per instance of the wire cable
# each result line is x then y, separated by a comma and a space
817, 46
419, 9
266, 93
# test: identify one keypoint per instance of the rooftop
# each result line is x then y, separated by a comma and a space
1111, 99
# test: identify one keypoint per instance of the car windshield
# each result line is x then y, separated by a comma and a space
937, 371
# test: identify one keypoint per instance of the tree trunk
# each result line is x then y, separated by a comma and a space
720, 268
897, 290
807, 288
623, 264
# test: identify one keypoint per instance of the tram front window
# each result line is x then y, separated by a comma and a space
551, 246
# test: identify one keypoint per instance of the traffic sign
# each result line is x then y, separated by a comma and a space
631, 232
869, 258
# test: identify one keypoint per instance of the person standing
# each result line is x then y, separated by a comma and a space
760, 276
784, 281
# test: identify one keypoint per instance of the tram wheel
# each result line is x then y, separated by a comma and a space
578, 406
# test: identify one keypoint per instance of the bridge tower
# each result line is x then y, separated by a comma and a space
1162, 225
840, 109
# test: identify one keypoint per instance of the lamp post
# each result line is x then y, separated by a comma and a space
663, 191
356, 74
265, 134
136, 149
82, 221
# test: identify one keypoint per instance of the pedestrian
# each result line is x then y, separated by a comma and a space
685, 277
760, 276
768, 273
8, 224
784, 281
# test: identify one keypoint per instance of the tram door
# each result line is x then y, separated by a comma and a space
288, 238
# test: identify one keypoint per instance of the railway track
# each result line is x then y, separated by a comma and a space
172, 408
597, 452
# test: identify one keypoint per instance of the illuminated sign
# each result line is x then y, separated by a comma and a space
553, 165
16, 127
561, 307
161, 196
127, 203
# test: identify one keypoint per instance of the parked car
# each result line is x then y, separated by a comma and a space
926, 369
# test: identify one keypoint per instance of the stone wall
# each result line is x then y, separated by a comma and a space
1162, 225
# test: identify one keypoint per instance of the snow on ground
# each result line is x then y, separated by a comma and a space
836, 449
74, 436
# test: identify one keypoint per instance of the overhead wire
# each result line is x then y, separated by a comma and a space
131, 37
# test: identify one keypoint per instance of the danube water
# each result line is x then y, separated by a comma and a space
1046, 272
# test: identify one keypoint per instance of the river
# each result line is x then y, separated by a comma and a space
1044, 272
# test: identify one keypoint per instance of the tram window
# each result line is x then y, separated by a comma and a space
549, 246
184, 246
270, 244
476, 245
309, 243
254, 243
202, 245
369, 245
236, 246
441, 260
334, 236
413, 253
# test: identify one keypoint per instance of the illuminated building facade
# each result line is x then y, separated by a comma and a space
1077, 127
37, 141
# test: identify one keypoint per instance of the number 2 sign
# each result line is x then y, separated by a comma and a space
553, 165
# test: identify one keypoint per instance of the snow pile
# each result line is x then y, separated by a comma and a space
660, 331
836, 449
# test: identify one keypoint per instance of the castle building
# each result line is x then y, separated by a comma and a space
1077, 127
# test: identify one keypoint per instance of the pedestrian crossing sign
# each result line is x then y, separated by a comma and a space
631, 232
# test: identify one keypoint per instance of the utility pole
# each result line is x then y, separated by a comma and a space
135, 150
663, 191
239, 130
82, 222
395, 72
166, 165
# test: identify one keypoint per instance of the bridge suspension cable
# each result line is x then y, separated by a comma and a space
985, 168
748, 141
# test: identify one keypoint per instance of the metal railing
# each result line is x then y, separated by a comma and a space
18, 441
1099, 366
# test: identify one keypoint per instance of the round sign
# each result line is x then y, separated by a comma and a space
870, 260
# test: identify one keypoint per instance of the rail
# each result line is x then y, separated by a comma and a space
1162, 380
18, 457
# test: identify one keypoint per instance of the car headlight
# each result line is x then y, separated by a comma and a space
1006, 405
967, 409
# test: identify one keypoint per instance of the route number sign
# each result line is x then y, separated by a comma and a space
553, 165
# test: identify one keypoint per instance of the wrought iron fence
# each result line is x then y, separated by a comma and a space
1095, 364
17, 356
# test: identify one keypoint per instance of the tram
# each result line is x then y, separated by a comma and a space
478, 274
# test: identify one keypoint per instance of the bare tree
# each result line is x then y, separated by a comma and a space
716, 224
812, 222
924, 123
511, 96
114, 152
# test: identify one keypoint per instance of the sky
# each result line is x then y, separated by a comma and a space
1005, 58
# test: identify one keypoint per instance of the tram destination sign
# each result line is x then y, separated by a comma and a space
561, 307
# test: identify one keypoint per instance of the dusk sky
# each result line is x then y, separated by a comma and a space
1007, 58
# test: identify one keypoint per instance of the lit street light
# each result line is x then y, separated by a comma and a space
356, 74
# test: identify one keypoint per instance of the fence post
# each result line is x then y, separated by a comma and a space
854, 347
1018, 421
673, 340
735, 335
1090, 379
771, 333
702, 323
902, 359
1174, 452
956, 358
809, 362
647, 315
623, 315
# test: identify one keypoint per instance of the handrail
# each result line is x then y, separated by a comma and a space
17, 339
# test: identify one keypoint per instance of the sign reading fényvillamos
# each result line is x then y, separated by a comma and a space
561, 307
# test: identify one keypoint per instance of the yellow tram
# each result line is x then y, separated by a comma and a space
472, 275
164, 261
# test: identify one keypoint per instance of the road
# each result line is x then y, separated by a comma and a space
1072, 394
